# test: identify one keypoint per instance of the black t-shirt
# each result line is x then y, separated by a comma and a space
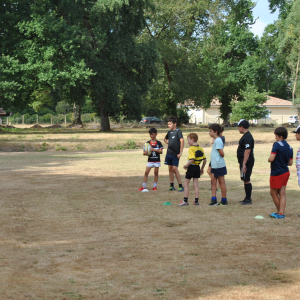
246, 143
174, 141
155, 157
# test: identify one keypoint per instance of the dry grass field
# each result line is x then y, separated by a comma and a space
73, 226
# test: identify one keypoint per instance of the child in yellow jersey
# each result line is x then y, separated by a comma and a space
196, 156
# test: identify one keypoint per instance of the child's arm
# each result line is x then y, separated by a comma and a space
188, 163
203, 165
181, 147
290, 162
166, 139
221, 152
160, 151
272, 157
145, 153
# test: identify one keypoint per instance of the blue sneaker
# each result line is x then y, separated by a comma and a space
181, 189
278, 216
273, 215
171, 188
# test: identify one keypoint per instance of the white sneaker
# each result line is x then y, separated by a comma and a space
183, 203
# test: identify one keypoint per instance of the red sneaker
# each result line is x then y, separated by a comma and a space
140, 189
154, 189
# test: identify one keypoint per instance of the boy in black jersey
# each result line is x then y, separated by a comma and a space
153, 160
196, 156
246, 159
175, 141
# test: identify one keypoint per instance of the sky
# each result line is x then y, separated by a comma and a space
261, 10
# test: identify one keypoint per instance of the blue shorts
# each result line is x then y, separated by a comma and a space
171, 160
219, 172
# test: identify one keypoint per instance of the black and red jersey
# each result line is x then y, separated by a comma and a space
155, 157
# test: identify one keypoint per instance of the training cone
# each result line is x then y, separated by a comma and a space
259, 217
167, 203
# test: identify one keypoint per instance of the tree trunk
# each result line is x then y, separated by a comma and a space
77, 114
225, 109
171, 103
104, 118
296, 78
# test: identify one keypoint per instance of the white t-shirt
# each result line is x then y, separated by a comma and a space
217, 161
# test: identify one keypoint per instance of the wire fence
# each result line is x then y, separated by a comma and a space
48, 119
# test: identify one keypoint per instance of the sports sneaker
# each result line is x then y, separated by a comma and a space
181, 189
278, 216
140, 189
223, 203
213, 202
154, 189
273, 214
246, 202
171, 188
218, 190
196, 203
183, 203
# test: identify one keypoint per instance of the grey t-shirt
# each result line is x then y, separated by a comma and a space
174, 141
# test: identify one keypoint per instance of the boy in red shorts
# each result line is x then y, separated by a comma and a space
281, 157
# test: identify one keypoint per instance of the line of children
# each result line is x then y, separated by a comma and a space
281, 157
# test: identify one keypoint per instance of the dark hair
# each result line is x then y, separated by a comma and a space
172, 119
215, 128
193, 136
222, 128
281, 132
152, 130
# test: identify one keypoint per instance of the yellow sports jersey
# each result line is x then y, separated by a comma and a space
197, 154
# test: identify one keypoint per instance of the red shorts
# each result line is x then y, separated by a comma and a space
276, 182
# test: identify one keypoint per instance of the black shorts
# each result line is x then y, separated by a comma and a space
249, 166
192, 172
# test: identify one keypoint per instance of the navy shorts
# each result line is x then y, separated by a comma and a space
171, 160
219, 172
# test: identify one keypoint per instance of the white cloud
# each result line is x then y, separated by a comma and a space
258, 27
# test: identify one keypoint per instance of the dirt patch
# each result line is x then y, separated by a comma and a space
36, 126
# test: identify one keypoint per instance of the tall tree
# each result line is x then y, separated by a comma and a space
228, 58
89, 47
176, 27
289, 35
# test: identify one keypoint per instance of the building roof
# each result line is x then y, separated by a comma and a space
2, 112
272, 101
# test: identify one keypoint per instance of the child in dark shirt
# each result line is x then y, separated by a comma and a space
153, 160
281, 157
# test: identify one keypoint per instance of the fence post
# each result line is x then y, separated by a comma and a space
65, 119
7, 120
51, 119
22, 119
37, 119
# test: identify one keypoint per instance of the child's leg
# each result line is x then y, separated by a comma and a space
213, 185
221, 180
196, 187
186, 187
282, 202
171, 174
176, 172
155, 176
274, 193
148, 169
